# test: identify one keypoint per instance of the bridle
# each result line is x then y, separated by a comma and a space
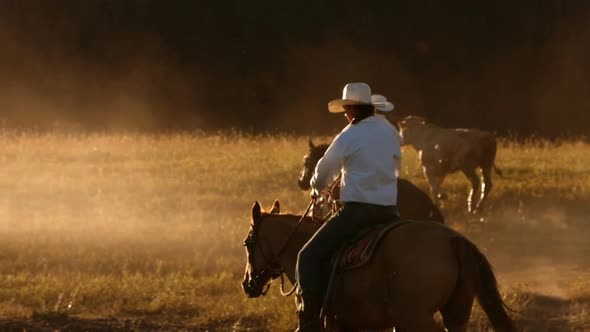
272, 268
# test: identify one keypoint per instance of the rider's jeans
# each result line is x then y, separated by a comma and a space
343, 227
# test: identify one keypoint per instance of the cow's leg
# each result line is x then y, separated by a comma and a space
474, 179
486, 187
435, 180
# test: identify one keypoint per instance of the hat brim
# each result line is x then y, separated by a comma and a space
336, 106
384, 106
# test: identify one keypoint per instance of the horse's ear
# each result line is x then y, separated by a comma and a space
256, 213
276, 207
311, 145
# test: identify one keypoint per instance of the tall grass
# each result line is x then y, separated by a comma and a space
136, 225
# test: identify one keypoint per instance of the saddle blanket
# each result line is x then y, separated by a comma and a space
360, 250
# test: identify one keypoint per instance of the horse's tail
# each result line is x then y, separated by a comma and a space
476, 270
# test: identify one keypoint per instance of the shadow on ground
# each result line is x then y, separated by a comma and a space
64, 323
71, 324
541, 313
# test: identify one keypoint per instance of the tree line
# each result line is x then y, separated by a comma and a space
511, 67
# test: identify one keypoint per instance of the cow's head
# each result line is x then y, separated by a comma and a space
410, 127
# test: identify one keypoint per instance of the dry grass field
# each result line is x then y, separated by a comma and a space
120, 232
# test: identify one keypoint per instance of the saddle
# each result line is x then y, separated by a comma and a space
359, 251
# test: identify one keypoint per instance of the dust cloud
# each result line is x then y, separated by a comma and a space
59, 90
538, 246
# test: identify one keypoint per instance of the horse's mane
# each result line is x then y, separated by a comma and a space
285, 214
289, 215
292, 217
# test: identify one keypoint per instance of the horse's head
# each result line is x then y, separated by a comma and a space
261, 264
316, 152
409, 127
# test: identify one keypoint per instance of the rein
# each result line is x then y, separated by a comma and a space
283, 287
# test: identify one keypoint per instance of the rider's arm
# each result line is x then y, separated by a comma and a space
329, 166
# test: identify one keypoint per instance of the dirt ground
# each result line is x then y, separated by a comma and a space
541, 255
71, 324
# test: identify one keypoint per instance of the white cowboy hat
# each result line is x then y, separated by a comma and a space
353, 94
381, 103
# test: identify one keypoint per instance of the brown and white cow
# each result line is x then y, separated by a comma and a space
446, 150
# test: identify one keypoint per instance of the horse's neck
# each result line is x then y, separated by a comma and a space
285, 234
320, 150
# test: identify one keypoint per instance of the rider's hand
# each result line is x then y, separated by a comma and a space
314, 193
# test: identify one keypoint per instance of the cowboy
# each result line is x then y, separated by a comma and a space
382, 107
362, 153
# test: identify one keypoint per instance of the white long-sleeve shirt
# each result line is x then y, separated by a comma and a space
365, 153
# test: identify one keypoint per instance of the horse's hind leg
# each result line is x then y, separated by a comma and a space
419, 323
425, 325
457, 311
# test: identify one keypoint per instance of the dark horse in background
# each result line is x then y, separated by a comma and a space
412, 203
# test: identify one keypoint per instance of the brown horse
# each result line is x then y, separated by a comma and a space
412, 203
418, 269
